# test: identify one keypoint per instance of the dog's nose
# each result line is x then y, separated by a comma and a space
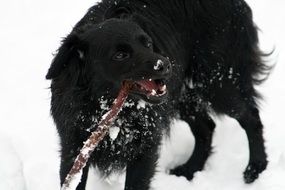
163, 66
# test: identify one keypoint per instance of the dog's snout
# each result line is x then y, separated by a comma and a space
163, 66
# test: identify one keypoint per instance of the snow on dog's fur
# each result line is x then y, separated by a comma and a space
185, 57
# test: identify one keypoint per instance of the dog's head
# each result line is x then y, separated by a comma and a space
113, 52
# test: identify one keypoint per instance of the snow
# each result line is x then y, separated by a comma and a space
113, 132
158, 65
141, 104
31, 31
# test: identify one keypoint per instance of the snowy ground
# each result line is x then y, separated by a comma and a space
30, 33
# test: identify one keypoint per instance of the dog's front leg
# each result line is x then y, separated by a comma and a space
141, 170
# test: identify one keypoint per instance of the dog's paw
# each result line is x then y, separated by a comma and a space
253, 170
182, 171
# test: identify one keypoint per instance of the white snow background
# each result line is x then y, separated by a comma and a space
31, 31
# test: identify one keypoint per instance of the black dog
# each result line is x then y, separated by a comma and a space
184, 57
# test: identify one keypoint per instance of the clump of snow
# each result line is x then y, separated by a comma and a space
141, 104
230, 76
158, 65
81, 54
113, 132
103, 104
190, 83
105, 116
129, 103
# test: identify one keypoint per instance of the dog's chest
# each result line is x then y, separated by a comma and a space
138, 128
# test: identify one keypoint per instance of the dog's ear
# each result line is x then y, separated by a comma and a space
69, 52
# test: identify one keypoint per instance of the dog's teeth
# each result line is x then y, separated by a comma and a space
162, 93
163, 88
153, 92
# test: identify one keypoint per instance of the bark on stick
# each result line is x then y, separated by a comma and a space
74, 176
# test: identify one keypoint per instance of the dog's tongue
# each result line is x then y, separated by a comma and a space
152, 87
148, 85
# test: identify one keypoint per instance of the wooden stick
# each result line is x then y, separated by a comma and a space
74, 176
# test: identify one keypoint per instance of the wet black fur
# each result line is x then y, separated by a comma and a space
213, 48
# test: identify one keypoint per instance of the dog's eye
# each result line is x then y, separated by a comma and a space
120, 56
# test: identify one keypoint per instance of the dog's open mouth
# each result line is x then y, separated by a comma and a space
151, 90
151, 87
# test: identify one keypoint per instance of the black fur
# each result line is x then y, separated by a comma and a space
209, 49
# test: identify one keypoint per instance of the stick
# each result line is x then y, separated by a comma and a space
74, 176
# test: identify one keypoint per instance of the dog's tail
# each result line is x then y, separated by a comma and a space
262, 68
